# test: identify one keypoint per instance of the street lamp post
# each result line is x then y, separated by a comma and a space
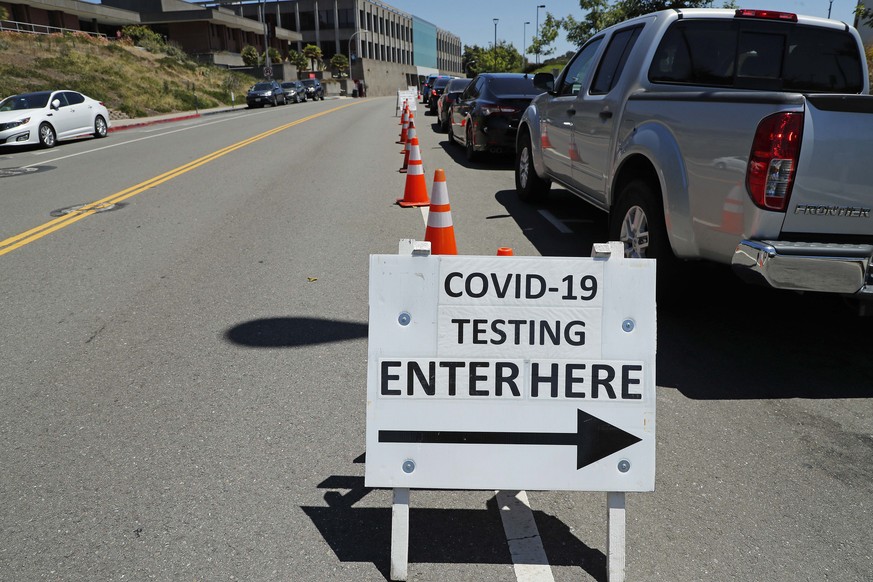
538, 28
496, 20
524, 44
268, 71
350, 50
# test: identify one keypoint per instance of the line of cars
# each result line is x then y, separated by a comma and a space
481, 114
275, 93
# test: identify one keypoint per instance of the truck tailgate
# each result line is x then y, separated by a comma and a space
833, 191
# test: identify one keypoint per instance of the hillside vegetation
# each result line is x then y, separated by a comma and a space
132, 81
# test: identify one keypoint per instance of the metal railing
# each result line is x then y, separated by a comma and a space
27, 27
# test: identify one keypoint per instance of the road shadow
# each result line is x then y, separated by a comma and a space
719, 338
486, 160
438, 536
292, 332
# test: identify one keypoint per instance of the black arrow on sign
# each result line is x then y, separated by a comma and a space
594, 439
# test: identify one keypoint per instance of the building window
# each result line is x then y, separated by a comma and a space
346, 17
325, 18
307, 20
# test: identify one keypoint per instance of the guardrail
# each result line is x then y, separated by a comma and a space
30, 28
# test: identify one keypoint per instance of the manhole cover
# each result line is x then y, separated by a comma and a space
82, 208
9, 172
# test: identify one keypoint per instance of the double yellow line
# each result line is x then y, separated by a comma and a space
19, 240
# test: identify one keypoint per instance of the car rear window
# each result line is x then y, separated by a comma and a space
441, 82
758, 55
513, 86
457, 85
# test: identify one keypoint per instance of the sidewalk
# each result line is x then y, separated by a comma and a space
119, 124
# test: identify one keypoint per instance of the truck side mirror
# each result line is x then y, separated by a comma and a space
544, 81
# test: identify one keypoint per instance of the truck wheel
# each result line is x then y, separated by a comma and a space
530, 187
638, 222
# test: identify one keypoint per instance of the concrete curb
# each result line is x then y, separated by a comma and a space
122, 124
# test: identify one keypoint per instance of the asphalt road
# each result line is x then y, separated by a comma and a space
183, 374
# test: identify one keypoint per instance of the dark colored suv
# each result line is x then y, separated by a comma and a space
265, 92
294, 91
314, 90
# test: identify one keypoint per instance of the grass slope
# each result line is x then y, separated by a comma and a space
131, 81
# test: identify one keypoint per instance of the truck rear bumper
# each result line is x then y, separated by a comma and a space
828, 268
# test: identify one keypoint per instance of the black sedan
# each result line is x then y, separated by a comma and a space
486, 115
444, 106
265, 92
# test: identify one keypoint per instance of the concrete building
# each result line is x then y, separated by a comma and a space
389, 49
47, 16
211, 34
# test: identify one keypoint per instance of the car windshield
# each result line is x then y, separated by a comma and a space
262, 87
309, 82
514, 86
25, 101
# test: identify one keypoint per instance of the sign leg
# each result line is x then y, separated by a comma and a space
615, 532
400, 534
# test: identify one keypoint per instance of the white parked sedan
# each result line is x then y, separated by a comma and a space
45, 117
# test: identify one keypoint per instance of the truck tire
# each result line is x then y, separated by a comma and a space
637, 221
530, 187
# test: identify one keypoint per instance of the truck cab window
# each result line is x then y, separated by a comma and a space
576, 72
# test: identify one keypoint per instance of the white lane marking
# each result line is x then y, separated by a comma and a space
525, 544
562, 228
115, 145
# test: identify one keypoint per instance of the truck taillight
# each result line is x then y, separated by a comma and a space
773, 161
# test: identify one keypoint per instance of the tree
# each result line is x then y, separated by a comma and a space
502, 58
250, 55
275, 56
546, 35
313, 53
297, 59
601, 14
340, 63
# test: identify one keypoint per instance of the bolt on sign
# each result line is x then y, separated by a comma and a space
511, 373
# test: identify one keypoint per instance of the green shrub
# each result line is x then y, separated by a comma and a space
250, 55
143, 36
275, 56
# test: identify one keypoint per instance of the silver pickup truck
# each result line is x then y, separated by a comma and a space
743, 137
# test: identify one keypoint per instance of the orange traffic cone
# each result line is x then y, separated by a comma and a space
410, 131
732, 212
410, 135
440, 232
501, 251
404, 123
415, 193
